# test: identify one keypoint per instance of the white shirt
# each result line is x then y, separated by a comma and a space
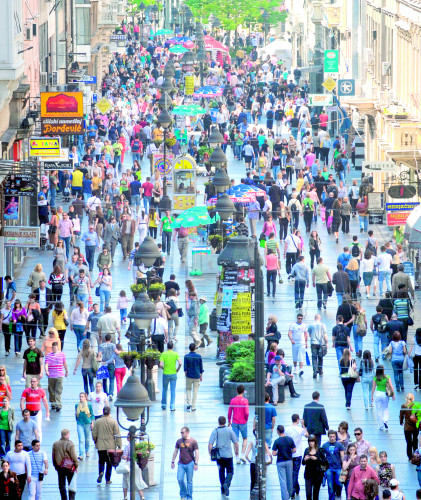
297, 332
98, 402
384, 260
18, 461
293, 243
43, 298
158, 326
296, 432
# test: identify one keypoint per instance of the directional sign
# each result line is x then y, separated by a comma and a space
329, 84
41, 146
378, 166
104, 105
346, 87
320, 99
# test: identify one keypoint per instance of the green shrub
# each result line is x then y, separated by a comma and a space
242, 371
243, 350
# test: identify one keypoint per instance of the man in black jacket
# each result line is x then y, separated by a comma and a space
314, 418
341, 281
44, 297
394, 325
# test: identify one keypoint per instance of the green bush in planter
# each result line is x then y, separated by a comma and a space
243, 350
242, 371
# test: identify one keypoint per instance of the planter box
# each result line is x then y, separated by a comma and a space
223, 372
281, 393
230, 391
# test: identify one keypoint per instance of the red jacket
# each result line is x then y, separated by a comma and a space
238, 410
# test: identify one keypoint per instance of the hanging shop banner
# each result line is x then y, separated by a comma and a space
42, 146
21, 236
20, 185
62, 126
58, 165
11, 207
188, 85
401, 207
331, 62
397, 218
61, 104
320, 99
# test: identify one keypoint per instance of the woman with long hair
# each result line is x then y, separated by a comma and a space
366, 375
373, 457
416, 348
336, 218
142, 225
354, 276
35, 277
60, 258
315, 245
47, 345
99, 222
53, 229
6, 325
153, 222
60, 318
410, 428
84, 420
9, 484
33, 318
272, 333
345, 364
120, 367
398, 350
359, 329
19, 316
381, 382
105, 283
350, 461
313, 458
87, 355
284, 217
367, 270
57, 280
342, 436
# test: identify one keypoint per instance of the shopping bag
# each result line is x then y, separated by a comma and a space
410, 364
307, 359
73, 483
102, 372
405, 365
323, 213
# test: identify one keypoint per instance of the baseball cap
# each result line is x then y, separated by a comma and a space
393, 482
278, 358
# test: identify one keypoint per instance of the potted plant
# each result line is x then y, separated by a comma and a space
150, 356
129, 358
155, 290
137, 289
215, 241
242, 372
170, 142
142, 453
240, 350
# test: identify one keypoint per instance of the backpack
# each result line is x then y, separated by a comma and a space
355, 250
341, 336
136, 146
294, 207
307, 207
340, 166
371, 247
381, 325
278, 115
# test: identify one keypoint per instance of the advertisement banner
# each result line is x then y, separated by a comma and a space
241, 314
185, 201
11, 208
401, 207
62, 126
164, 170
61, 104
320, 99
42, 146
397, 218
21, 236
188, 85
331, 61
20, 184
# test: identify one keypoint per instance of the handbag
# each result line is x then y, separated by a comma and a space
214, 454
343, 476
386, 354
66, 322
389, 391
362, 206
94, 363
73, 483
67, 463
405, 363
361, 331
102, 372
416, 459
329, 289
410, 321
352, 372
413, 418
123, 468
97, 291
329, 221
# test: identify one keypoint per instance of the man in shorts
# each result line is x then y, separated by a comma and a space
298, 336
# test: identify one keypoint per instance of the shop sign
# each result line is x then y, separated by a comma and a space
375, 201
62, 126
188, 85
320, 99
58, 165
61, 104
401, 207
20, 185
375, 217
331, 61
185, 201
64, 156
43, 146
402, 191
164, 169
22, 237
397, 218
378, 166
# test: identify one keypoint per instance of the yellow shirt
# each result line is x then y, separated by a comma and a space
96, 182
290, 112
299, 184
77, 178
152, 220
59, 320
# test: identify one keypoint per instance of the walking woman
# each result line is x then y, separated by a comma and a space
34, 317
60, 320
57, 280
19, 316
315, 247
60, 258
252, 450
347, 367
284, 217
153, 221
313, 458
47, 345
381, 383
35, 277
359, 329
410, 428
367, 270
272, 271
9, 484
354, 276
84, 420
350, 461
78, 320
105, 283
53, 229
336, 219
366, 372
386, 472
7, 325
398, 350
142, 225
89, 365
120, 367
139, 483
416, 356
7, 424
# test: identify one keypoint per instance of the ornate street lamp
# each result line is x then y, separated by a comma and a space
224, 207
219, 159
133, 400
187, 59
221, 181
215, 138
168, 73
201, 59
165, 101
265, 18
167, 86
147, 254
164, 120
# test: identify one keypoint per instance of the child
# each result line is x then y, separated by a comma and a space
122, 304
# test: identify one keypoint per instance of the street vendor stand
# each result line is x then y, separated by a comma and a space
184, 182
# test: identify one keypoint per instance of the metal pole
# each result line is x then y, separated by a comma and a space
133, 465
259, 491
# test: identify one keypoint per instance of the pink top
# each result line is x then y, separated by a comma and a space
356, 485
65, 228
55, 364
310, 159
271, 262
238, 411
147, 188
269, 228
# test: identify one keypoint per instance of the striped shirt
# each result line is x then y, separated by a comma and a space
55, 362
37, 459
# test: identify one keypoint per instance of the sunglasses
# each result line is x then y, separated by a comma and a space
357, 433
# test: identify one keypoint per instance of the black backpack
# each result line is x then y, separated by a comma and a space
382, 324
355, 250
294, 207
341, 336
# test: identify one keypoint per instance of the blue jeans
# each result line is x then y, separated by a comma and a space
105, 296
339, 351
333, 484
268, 436
238, 150
90, 256
240, 429
385, 275
398, 373
80, 334
285, 478
5, 438
66, 240
117, 163
53, 193
339, 296
348, 384
123, 314
296, 463
172, 380
358, 341
363, 222
135, 199
294, 132
366, 385
111, 370
275, 171
88, 376
136, 156
84, 435
146, 202
185, 470
379, 338
321, 290
300, 286
83, 297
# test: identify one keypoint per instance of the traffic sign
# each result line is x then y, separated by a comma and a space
346, 87
329, 84
104, 105
94, 98
41, 146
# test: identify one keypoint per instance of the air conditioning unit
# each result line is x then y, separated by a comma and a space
28, 33
386, 68
43, 78
34, 29
369, 57
54, 78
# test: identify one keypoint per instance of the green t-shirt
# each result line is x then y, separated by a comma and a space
4, 420
272, 244
320, 273
381, 386
325, 175
166, 223
169, 358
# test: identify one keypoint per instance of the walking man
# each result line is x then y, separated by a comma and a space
204, 321
238, 414
44, 297
31, 398
183, 241
314, 418
39, 469
321, 275
64, 448
296, 432
334, 455
103, 433
292, 242
56, 369
193, 369
27, 430
188, 462
301, 273
283, 449
90, 238
107, 350
222, 437
99, 400
20, 464
298, 336
318, 344
193, 318
166, 231
171, 364
111, 236
108, 324
32, 363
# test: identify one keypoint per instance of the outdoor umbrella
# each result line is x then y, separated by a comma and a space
178, 49
208, 91
193, 217
189, 45
164, 32
413, 228
188, 110
244, 189
179, 39
240, 198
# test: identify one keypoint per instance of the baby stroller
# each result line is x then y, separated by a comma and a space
66, 194
43, 236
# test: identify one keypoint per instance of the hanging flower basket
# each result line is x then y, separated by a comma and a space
115, 456
151, 356
142, 453
142, 462
129, 358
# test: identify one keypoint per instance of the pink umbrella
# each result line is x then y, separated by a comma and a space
189, 45
212, 44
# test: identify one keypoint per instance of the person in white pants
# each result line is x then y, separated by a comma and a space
39, 468
381, 383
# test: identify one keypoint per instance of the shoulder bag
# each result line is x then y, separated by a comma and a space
352, 372
215, 455
94, 363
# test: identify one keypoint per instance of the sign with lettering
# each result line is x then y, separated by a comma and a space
401, 207
378, 166
402, 191
397, 218
241, 314
320, 99
20, 185
22, 237
43, 146
62, 126
61, 104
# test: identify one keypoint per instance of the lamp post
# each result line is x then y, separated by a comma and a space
164, 120
155, 13
174, 14
225, 209
133, 400
201, 58
265, 19
141, 19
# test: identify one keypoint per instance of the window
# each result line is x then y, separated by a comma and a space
83, 26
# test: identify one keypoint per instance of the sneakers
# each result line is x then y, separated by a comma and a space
295, 395
301, 373
314, 375
99, 480
210, 342
188, 408
238, 460
7, 353
80, 457
386, 426
243, 459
